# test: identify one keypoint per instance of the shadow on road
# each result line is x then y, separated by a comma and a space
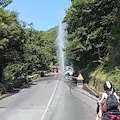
73, 85
49, 79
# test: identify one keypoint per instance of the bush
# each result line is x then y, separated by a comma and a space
19, 82
42, 74
12, 71
2, 88
9, 87
15, 73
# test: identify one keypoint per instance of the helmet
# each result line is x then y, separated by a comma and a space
107, 85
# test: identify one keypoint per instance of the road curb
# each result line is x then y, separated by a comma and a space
89, 89
23, 86
4, 96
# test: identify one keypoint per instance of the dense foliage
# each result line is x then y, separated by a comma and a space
23, 50
94, 34
90, 27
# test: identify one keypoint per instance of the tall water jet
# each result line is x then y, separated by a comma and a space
60, 44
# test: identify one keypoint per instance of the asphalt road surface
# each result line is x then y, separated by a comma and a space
51, 98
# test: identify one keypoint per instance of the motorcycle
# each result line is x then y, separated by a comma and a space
111, 115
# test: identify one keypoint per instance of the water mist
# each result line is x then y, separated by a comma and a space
60, 45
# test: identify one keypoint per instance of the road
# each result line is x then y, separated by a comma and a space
51, 98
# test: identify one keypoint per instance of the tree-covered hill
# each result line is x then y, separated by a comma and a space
23, 51
50, 36
94, 38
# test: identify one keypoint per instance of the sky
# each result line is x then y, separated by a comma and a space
45, 14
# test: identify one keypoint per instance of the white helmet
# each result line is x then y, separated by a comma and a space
107, 85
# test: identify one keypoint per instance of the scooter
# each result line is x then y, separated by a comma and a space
111, 115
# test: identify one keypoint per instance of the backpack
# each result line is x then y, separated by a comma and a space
112, 102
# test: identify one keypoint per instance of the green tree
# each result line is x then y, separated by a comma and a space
89, 31
23, 50
4, 3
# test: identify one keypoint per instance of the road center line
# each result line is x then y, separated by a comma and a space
50, 101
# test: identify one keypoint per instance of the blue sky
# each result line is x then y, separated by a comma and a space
44, 14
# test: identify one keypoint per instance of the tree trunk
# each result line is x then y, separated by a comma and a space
1, 73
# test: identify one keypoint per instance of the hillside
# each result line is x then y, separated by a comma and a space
94, 40
23, 50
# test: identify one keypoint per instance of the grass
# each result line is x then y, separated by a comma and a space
102, 74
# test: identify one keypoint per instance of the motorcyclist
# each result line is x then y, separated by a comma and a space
108, 89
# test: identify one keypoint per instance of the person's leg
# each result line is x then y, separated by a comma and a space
97, 117
100, 114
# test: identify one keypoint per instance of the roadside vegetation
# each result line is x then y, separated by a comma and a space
24, 51
94, 40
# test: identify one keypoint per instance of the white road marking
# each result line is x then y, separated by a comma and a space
50, 101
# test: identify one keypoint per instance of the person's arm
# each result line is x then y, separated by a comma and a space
103, 107
102, 98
